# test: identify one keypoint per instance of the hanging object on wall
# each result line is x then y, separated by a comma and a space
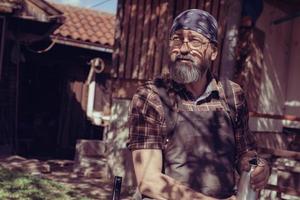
98, 65
99, 94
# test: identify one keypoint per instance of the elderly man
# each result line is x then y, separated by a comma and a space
186, 138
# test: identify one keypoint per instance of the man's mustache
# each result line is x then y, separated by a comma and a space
184, 57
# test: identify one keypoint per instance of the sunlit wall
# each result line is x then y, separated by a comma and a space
280, 68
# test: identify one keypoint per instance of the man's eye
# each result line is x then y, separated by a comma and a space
196, 42
176, 39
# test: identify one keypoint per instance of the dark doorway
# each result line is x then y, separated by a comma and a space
39, 102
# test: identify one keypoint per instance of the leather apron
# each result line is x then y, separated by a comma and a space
200, 148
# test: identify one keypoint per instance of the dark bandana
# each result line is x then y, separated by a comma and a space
199, 21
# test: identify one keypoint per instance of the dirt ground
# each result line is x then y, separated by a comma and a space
93, 187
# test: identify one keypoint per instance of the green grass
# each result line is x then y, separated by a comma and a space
17, 185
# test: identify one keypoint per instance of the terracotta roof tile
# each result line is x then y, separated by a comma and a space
86, 25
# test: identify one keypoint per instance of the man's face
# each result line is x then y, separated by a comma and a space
190, 55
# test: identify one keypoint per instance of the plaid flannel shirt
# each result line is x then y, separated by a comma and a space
147, 125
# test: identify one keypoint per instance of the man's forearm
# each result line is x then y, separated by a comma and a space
162, 187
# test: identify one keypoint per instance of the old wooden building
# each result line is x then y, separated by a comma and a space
18, 22
53, 88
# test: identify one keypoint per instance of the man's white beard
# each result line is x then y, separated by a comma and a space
185, 73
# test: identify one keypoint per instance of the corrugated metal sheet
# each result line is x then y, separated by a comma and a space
141, 39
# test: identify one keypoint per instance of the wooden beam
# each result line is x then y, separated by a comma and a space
281, 153
152, 39
124, 38
118, 51
274, 116
145, 41
138, 39
285, 190
131, 40
162, 36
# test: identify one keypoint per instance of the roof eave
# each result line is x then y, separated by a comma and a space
82, 44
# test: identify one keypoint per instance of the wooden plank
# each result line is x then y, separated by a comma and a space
162, 36
275, 133
171, 11
131, 40
152, 39
215, 8
274, 140
179, 7
285, 168
185, 5
281, 153
289, 179
145, 42
200, 4
124, 38
207, 5
214, 11
193, 4
285, 190
221, 18
84, 97
117, 44
138, 38
275, 116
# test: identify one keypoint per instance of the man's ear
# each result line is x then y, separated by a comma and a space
214, 52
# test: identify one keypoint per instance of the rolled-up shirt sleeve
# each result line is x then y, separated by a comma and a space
245, 140
145, 120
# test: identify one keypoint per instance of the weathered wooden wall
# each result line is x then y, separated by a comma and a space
141, 39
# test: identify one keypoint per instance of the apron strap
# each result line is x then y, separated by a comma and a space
169, 104
229, 100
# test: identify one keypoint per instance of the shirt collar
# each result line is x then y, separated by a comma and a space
212, 87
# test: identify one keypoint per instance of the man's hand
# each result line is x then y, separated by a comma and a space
261, 173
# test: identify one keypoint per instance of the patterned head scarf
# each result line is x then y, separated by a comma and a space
199, 21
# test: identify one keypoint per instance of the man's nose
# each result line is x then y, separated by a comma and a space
184, 49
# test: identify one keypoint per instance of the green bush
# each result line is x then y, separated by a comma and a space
17, 185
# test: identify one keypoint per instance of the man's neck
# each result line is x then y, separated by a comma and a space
198, 88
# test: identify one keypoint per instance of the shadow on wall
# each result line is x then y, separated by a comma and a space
257, 74
250, 64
